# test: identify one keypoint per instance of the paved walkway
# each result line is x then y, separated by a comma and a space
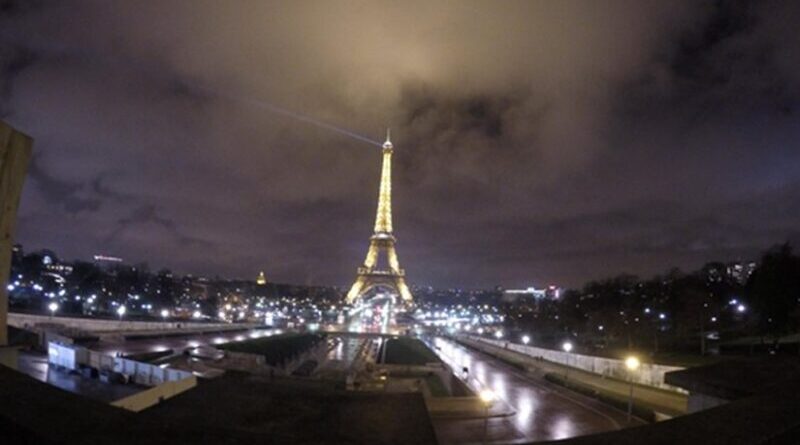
667, 402
539, 410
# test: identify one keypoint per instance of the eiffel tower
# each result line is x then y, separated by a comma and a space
370, 275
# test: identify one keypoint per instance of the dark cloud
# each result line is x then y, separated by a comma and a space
59, 193
535, 141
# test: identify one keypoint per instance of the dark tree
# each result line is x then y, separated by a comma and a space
774, 290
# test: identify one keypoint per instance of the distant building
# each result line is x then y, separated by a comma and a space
741, 271
550, 292
53, 265
107, 262
734, 272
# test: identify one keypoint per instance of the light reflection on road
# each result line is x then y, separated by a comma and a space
541, 411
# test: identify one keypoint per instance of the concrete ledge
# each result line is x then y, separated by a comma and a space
99, 325
155, 395
9, 356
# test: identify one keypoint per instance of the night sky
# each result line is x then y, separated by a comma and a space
536, 142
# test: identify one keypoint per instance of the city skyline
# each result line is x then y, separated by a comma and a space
536, 144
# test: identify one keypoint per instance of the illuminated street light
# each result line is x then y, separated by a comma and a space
121, 311
741, 308
53, 308
498, 334
632, 363
487, 397
567, 347
526, 339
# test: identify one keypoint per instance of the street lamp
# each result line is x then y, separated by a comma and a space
526, 339
632, 363
164, 314
487, 397
121, 311
53, 308
567, 347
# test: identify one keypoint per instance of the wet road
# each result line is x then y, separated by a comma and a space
541, 410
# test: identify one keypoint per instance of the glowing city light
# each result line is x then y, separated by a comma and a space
632, 363
567, 346
487, 396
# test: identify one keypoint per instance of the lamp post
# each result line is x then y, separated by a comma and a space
567, 347
632, 363
121, 311
164, 314
53, 308
487, 397
526, 339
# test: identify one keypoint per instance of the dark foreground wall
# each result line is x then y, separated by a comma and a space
770, 417
230, 410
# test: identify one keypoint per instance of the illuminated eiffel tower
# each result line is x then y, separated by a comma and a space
371, 275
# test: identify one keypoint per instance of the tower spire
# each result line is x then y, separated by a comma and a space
388, 144
383, 218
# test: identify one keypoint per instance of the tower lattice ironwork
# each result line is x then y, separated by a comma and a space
372, 274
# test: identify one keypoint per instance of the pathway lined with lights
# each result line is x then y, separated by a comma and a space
668, 402
541, 411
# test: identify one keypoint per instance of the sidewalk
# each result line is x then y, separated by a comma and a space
662, 401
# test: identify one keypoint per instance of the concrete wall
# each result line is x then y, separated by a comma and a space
699, 402
145, 399
454, 406
93, 324
441, 370
147, 374
15, 153
648, 373
74, 357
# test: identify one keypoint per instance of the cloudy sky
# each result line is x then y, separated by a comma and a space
536, 141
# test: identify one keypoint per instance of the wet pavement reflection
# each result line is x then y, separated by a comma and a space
541, 410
